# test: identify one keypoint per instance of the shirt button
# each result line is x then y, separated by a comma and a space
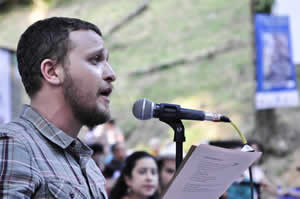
73, 144
72, 195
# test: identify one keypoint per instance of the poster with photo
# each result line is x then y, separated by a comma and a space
5, 88
275, 71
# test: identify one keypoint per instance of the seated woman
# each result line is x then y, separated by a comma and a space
138, 179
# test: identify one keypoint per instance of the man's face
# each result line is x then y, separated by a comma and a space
88, 77
167, 172
120, 153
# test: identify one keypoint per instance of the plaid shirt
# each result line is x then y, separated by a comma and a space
37, 160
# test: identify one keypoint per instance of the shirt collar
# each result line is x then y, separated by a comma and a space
47, 129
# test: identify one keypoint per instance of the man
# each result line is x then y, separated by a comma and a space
64, 68
113, 168
119, 155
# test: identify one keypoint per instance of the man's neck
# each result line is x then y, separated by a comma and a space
59, 115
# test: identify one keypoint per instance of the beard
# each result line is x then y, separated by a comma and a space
83, 111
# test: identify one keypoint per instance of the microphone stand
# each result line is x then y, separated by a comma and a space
179, 138
247, 148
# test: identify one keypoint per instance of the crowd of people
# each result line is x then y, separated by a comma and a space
144, 174
147, 174
139, 174
63, 63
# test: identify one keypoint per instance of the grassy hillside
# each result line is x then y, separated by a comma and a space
172, 29
166, 31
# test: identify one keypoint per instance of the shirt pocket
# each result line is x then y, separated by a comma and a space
64, 189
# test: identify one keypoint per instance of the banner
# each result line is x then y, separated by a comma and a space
5, 88
275, 71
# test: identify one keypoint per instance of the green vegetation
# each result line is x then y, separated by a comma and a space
263, 6
166, 31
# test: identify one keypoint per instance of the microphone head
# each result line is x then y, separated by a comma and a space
143, 109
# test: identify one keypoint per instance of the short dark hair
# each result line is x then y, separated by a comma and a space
48, 38
97, 148
114, 147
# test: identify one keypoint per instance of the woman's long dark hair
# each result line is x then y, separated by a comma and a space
120, 188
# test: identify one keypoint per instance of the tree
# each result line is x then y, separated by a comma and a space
268, 129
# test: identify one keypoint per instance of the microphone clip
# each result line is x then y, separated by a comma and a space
179, 137
168, 112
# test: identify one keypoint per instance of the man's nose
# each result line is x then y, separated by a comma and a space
109, 74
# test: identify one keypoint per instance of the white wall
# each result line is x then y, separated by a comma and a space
291, 8
5, 87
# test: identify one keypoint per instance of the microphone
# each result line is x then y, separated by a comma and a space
144, 109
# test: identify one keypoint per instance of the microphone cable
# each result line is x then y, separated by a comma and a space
246, 148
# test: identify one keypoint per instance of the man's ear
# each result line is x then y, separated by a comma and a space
52, 72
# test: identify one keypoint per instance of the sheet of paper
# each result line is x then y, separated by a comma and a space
208, 172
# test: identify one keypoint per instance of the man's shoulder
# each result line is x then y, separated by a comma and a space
14, 128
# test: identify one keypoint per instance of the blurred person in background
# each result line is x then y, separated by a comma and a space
107, 135
289, 193
166, 162
113, 132
166, 168
98, 155
138, 179
155, 146
119, 154
241, 189
113, 168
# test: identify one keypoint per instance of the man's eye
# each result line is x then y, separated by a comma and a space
96, 59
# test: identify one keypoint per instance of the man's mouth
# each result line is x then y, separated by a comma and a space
106, 92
